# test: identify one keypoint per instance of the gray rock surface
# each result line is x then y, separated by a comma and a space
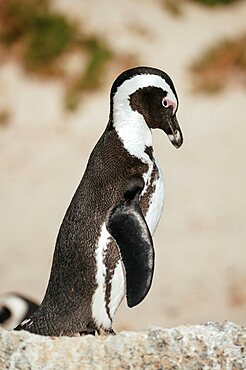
209, 346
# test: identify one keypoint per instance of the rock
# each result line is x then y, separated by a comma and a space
209, 346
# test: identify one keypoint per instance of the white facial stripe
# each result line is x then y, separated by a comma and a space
130, 125
128, 87
132, 129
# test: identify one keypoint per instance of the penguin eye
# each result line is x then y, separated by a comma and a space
168, 103
165, 103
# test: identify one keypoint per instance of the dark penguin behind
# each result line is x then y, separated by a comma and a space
14, 308
104, 249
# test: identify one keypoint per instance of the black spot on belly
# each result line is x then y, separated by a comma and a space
149, 152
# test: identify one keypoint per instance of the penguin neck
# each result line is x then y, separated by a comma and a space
132, 130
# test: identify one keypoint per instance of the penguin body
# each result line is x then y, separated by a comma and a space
104, 248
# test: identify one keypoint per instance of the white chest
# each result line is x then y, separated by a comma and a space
102, 314
156, 204
156, 197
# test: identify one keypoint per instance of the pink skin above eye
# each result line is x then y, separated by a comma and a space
169, 103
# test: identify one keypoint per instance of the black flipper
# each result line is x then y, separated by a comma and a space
128, 227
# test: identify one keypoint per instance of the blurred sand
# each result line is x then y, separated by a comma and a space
200, 242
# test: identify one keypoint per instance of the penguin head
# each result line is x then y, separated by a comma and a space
148, 92
14, 308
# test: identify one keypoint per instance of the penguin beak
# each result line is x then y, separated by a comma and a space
173, 131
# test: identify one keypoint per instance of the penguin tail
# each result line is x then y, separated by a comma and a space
24, 325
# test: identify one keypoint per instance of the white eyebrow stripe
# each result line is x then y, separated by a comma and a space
128, 87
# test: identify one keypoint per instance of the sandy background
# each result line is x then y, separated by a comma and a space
200, 242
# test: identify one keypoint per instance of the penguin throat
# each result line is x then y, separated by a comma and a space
132, 129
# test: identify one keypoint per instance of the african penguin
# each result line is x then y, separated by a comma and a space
104, 247
14, 308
